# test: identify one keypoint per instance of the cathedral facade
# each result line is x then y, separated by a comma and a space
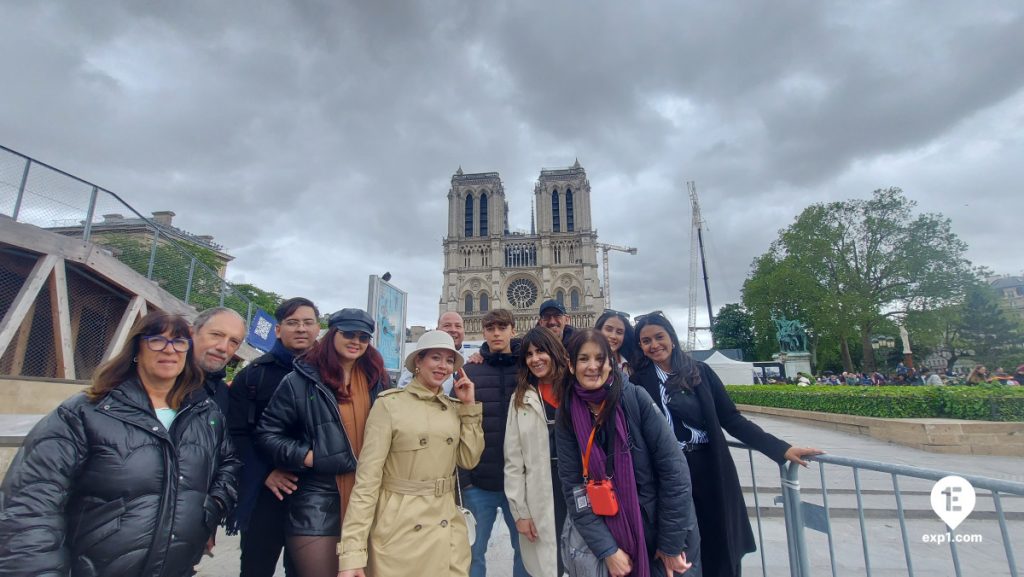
486, 266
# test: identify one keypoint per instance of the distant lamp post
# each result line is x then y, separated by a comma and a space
883, 344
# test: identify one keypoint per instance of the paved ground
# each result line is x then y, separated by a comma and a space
884, 543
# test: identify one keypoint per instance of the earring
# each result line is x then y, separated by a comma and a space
135, 360
417, 371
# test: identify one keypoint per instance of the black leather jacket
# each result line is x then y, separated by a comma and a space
302, 416
102, 489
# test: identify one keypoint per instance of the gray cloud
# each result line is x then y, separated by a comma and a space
316, 140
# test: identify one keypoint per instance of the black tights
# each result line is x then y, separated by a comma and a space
314, 555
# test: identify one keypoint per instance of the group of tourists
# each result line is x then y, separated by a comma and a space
603, 448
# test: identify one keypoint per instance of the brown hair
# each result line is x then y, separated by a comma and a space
580, 338
498, 317
325, 358
123, 365
543, 340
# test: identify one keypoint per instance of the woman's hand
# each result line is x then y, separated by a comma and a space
674, 565
619, 564
308, 461
797, 454
464, 388
527, 529
352, 573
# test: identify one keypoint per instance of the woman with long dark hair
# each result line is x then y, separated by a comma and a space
618, 331
623, 478
130, 477
694, 402
314, 427
531, 465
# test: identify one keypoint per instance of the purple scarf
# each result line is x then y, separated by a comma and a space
627, 527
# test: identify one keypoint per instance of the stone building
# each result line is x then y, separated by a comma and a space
486, 266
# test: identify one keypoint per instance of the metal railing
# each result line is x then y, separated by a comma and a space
185, 265
890, 499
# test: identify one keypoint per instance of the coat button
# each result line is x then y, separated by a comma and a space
449, 440
444, 407
423, 442
106, 407
444, 523
417, 527
156, 428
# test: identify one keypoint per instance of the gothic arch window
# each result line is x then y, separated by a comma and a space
483, 214
569, 225
469, 303
485, 302
560, 297
469, 215
556, 220
556, 250
574, 300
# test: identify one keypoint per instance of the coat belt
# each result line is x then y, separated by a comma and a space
437, 487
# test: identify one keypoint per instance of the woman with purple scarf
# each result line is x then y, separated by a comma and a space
624, 479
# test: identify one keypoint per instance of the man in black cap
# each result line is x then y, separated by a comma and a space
554, 318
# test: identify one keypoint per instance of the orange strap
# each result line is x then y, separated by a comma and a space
590, 444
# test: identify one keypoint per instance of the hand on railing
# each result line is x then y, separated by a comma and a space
797, 454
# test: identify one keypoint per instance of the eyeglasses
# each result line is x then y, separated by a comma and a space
616, 313
642, 318
158, 343
296, 323
354, 335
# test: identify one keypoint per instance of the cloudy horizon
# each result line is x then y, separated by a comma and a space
316, 140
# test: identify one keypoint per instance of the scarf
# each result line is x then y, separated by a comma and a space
626, 527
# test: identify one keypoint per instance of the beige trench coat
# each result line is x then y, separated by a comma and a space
402, 518
528, 482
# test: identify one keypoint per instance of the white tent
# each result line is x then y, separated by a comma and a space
731, 372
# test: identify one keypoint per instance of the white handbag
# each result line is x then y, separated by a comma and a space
470, 519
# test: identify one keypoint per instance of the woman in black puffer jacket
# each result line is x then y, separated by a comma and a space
313, 427
129, 478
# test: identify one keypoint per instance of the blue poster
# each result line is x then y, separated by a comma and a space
387, 306
261, 331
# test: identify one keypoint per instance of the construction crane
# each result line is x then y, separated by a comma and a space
697, 251
604, 261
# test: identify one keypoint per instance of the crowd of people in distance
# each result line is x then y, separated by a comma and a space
904, 376
604, 450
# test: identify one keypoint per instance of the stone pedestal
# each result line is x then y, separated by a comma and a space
794, 363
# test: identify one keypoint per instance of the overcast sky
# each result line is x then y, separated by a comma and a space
316, 140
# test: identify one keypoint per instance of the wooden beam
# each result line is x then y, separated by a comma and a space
21, 345
135, 307
60, 313
25, 299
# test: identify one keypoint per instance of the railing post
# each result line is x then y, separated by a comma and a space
152, 254
223, 289
248, 315
87, 229
188, 286
798, 564
21, 189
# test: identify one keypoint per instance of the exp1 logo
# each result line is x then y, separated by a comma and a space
952, 499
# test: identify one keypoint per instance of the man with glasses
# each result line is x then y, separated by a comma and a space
260, 515
216, 335
552, 316
451, 323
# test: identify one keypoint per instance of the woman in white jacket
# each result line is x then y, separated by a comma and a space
531, 466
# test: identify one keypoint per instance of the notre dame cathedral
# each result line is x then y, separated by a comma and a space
488, 266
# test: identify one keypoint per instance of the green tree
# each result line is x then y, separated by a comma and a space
267, 301
985, 328
844, 268
734, 329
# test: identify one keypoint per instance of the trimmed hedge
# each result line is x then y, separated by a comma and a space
979, 403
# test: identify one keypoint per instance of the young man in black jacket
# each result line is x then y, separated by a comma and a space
483, 489
260, 515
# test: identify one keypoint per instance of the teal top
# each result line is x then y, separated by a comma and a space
166, 417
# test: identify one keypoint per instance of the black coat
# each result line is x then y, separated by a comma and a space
250, 393
217, 390
730, 529
303, 415
494, 381
662, 481
104, 489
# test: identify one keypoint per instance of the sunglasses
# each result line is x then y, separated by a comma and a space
616, 313
356, 335
642, 318
158, 343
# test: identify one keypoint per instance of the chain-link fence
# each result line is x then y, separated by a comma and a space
189, 267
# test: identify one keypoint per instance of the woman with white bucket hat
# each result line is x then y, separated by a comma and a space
402, 518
